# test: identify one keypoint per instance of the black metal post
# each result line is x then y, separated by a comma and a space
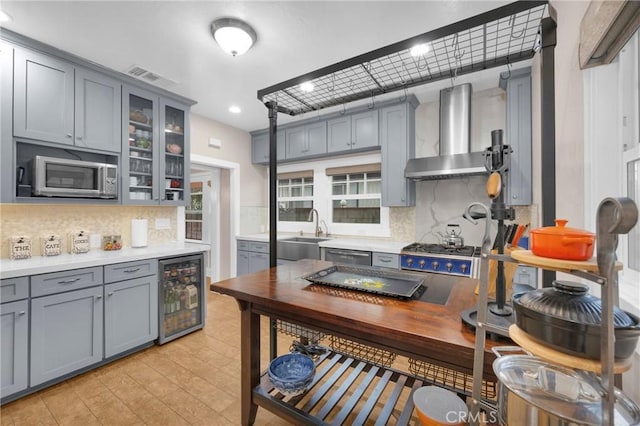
273, 212
548, 134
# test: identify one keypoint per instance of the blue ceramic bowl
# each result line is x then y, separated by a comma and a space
292, 373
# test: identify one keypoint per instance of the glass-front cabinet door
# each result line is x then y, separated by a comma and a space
173, 170
140, 158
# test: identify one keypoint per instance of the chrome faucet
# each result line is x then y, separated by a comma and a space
310, 218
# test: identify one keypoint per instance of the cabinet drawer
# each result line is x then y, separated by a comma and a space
14, 289
259, 247
128, 270
58, 282
386, 260
243, 245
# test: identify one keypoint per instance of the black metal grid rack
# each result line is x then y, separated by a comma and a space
499, 37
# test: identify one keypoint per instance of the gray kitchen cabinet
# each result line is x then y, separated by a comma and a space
258, 261
43, 97
339, 134
57, 102
364, 129
242, 262
354, 131
7, 170
306, 141
397, 130
518, 135
97, 111
130, 305
14, 347
130, 314
260, 147
66, 333
155, 149
252, 256
12, 289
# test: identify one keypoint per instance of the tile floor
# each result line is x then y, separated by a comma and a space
194, 380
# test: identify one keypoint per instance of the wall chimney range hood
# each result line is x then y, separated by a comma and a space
454, 160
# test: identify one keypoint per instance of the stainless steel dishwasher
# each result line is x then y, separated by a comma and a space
349, 257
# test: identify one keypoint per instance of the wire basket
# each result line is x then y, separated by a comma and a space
451, 379
295, 330
362, 352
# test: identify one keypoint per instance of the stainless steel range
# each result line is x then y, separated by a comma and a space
463, 261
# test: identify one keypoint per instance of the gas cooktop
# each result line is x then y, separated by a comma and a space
461, 261
441, 249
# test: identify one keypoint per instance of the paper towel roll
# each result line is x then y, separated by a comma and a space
139, 233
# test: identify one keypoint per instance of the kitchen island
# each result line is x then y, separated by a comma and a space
415, 328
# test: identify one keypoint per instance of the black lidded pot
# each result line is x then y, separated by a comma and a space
567, 318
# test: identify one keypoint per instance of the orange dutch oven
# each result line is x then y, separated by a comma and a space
561, 242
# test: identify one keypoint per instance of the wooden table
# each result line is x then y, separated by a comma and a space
413, 328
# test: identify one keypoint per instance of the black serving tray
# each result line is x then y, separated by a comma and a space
368, 279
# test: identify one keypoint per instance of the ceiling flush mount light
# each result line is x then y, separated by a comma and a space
419, 49
233, 35
235, 109
307, 86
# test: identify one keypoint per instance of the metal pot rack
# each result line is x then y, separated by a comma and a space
500, 37
615, 216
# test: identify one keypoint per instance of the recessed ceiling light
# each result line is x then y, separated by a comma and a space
307, 86
235, 109
419, 49
4, 17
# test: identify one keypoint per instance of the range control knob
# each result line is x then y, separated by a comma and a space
422, 263
409, 261
463, 268
435, 265
449, 266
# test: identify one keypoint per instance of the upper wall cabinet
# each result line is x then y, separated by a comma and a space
518, 135
305, 141
57, 102
7, 171
155, 147
397, 132
260, 147
354, 131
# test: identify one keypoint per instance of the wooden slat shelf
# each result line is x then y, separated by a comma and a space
346, 390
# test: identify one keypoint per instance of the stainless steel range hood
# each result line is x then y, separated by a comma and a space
455, 141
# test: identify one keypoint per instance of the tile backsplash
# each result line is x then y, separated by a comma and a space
37, 221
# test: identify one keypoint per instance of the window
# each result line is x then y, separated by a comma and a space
193, 213
295, 196
345, 191
355, 194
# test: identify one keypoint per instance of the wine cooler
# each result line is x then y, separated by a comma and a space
182, 298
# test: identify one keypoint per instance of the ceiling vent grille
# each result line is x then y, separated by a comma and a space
150, 77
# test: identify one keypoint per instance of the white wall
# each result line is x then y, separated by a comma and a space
236, 148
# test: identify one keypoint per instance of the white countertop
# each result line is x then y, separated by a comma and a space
345, 243
96, 257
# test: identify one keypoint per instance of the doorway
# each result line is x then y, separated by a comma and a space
212, 217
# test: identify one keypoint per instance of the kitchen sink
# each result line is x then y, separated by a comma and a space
296, 248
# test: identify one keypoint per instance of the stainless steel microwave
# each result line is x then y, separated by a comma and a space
61, 177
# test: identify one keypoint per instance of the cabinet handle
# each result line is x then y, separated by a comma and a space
131, 270
99, 297
110, 293
21, 313
72, 280
79, 138
69, 135
385, 260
